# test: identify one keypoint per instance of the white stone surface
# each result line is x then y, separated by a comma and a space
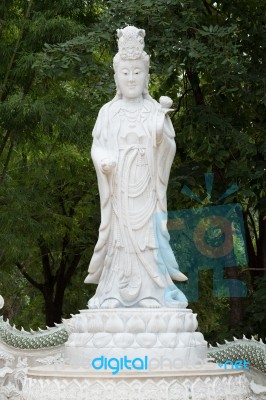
2, 302
209, 384
14, 364
133, 150
159, 333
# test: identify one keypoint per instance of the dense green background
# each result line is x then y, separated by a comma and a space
56, 72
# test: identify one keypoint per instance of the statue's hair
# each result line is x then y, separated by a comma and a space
144, 57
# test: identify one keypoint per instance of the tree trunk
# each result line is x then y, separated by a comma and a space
51, 309
195, 85
251, 253
261, 253
54, 293
236, 303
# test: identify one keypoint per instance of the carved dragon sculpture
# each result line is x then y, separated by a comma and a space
251, 350
21, 339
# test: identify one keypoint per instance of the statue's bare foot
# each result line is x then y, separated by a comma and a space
93, 303
149, 303
111, 303
178, 276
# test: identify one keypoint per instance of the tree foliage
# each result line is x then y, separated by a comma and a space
208, 56
48, 209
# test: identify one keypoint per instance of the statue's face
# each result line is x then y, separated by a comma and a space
131, 78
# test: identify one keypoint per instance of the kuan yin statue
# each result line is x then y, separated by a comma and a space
133, 150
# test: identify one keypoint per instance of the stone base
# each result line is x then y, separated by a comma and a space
166, 336
176, 367
175, 355
208, 382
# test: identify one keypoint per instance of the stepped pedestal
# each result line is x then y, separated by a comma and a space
165, 336
138, 354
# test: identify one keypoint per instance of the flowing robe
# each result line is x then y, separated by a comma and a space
133, 260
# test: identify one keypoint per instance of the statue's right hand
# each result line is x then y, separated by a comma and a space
107, 165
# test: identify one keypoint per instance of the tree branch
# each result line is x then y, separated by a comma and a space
3, 95
207, 6
60, 273
253, 226
8, 157
28, 277
195, 85
72, 268
180, 100
46, 262
4, 142
62, 204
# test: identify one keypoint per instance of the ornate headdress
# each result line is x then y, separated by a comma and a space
130, 42
131, 45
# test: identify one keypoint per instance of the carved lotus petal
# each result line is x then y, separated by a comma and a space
86, 337
189, 323
69, 325
168, 339
101, 339
89, 340
195, 321
199, 338
80, 339
157, 324
186, 339
146, 339
72, 339
135, 324
81, 324
123, 339
181, 343
95, 324
176, 323
114, 324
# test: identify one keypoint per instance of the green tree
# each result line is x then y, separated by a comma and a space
48, 210
208, 56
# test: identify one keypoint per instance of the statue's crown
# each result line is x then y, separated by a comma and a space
130, 42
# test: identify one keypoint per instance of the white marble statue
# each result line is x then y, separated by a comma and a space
137, 324
133, 150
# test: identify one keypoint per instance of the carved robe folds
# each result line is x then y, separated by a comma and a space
133, 261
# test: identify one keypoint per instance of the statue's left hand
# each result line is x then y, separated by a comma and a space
166, 103
107, 165
159, 127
